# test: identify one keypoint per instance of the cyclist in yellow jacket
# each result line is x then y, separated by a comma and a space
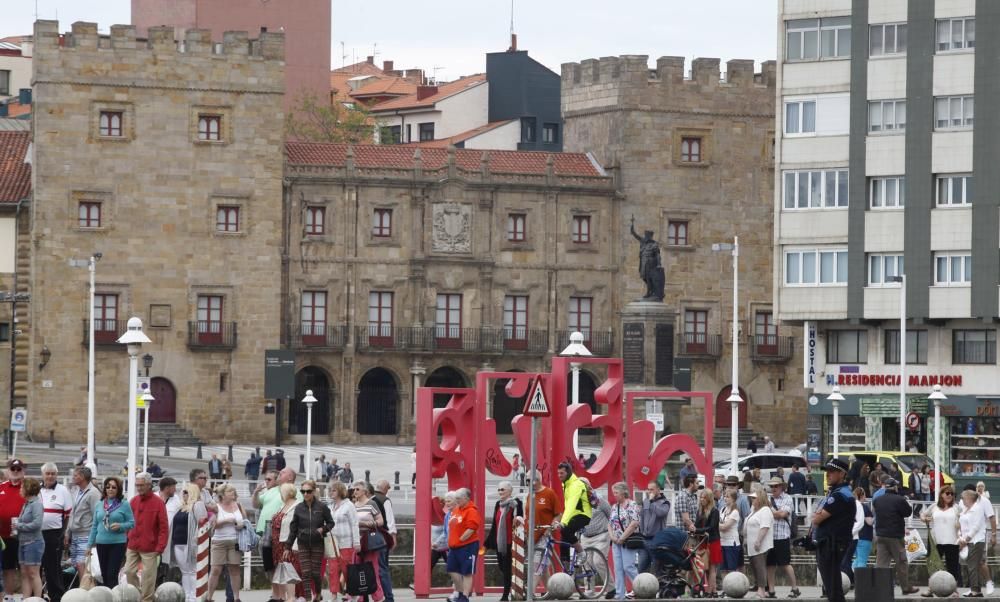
576, 508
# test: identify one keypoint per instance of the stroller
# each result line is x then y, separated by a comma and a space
674, 553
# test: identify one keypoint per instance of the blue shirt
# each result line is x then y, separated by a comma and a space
839, 503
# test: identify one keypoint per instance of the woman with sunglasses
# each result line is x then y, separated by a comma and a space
112, 521
369, 520
943, 520
225, 551
311, 521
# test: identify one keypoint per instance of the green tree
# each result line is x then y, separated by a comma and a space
313, 120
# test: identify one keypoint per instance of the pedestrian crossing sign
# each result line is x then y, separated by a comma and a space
536, 404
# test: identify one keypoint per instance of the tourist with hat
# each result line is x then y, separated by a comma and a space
780, 556
891, 511
832, 524
732, 483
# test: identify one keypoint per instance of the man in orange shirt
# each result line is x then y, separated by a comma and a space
463, 544
548, 506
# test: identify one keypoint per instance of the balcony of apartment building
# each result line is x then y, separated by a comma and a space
700, 345
771, 348
106, 331
211, 335
451, 339
316, 336
600, 344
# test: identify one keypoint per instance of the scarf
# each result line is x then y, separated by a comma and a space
505, 520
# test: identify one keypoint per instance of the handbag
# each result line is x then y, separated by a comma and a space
361, 579
330, 549
372, 541
635, 541
285, 574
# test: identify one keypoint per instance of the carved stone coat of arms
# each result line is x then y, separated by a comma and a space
452, 228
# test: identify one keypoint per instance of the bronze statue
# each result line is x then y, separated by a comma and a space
650, 267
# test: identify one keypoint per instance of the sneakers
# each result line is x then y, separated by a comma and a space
988, 589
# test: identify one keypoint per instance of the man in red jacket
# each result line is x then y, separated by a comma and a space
149, 537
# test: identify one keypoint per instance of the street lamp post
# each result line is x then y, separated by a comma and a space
901, 279
147, 402
309, 400
576, 348
133, 339
835, 398
734, 390
937, 397
91, 265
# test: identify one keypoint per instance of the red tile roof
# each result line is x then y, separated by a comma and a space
393, 86
444, 91
15, 174
401, 157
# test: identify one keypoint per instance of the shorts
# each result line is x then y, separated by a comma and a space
78, 548
226, 553
463, 560
9, 555
732, 558
30, 554
781, 553
568, 534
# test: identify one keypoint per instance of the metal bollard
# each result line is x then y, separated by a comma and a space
166, 448
198, 455
302, 463
396, 486
52, 439
368, 476
230, 452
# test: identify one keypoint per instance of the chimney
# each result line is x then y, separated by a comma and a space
387, 66
425, 91
370, 60
513, 43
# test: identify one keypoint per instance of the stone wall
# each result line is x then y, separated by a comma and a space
158, 186
633, 118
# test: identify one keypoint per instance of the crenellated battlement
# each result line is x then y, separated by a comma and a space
627, 81
167, 56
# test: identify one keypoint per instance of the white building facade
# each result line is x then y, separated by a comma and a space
883, 169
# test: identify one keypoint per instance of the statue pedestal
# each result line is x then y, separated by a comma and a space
648, 344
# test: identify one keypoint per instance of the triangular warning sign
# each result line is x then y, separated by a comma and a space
536, 404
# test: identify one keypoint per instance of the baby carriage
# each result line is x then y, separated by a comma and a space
674, 554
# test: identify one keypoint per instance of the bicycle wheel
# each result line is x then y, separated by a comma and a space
591, 573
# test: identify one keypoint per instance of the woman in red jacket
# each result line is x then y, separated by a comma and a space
502, 531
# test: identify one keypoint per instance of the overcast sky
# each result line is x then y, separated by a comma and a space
454, 35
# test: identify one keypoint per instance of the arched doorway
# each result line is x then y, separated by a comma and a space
378, 403
505, 408
445, 376
316, 380
164, 408
724, 412
588, 384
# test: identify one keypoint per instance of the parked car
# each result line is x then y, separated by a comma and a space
767, 463
907, 462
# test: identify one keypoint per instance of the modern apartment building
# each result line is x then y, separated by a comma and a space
883, 170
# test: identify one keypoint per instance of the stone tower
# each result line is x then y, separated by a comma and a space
693, 156
166, 158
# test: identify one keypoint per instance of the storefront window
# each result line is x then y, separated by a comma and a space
975, 445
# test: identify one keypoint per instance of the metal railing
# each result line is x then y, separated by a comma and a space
211, 335
700, 344
772, 348
106, 332
600, 344
317, 336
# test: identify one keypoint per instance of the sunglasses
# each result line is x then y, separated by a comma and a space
17, 470
268, 480
306, 490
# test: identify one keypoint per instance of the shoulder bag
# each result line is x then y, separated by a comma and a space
635, 541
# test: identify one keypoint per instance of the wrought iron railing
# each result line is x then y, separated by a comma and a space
772, 348
207, 334
700, 344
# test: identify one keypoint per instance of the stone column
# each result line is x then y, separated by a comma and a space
417, 371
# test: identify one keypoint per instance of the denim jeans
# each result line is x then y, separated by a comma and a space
861, 554
645, 556
383, 574
625, 566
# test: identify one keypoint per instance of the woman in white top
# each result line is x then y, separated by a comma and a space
943, 521
972, 534
759, 537
729, 532
345, 533
225, 551
981, 490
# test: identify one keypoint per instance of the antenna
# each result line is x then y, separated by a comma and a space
434, 73
343, 55
375, 50
511, 17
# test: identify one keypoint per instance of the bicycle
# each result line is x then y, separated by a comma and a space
588, 567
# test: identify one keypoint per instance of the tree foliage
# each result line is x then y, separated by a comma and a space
312, 119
